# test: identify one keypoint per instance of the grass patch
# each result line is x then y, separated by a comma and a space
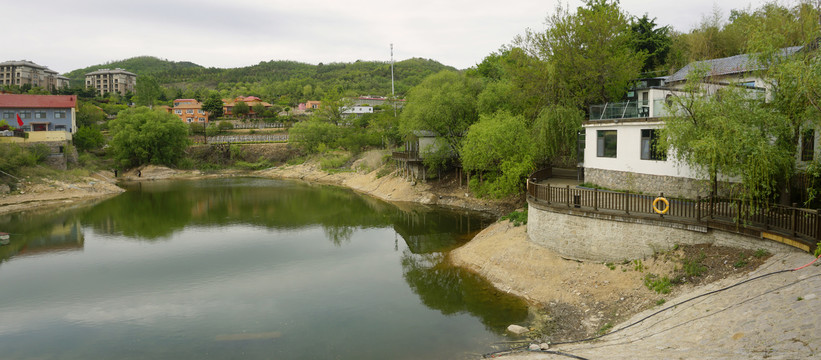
297, 160
259, 165
516, 217
660, 302
694, 267
661, 285
760, 253
610, 266
333, 161
384, 170
742, 261
604, 329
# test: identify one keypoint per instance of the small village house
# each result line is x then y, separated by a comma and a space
189, 111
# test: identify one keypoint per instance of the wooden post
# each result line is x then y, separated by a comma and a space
548, 194
568, 196
698, 208
595, 199
627, 202
817, 226
794, 222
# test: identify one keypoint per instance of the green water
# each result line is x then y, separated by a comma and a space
244, 269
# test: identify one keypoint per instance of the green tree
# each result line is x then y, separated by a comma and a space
88, 138
654, 41
145, 136
555, 133
313, 136
445, 104
588, 52
89, 114
148, 90
259, 110
213, 105
495, 148
731, 134
241, 109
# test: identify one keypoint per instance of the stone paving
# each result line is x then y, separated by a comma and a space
776, 317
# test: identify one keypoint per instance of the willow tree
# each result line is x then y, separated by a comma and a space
444, 104
730, 134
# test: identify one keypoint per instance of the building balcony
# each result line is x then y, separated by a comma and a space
628, 110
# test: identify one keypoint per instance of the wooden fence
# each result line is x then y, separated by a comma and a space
802, 225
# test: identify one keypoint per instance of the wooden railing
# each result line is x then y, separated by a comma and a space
803, 225
405, 155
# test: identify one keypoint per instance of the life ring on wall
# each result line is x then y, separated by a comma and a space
666, 205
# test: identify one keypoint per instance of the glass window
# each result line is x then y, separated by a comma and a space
39, 114
60, 114
649, 146
8, 115
606, 143
189, 111
808, 145
25, 114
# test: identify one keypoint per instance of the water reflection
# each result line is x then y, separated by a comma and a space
41, 232
301, 261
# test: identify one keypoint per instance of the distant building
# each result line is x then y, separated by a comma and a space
24, 72
190, 111
356, 110
310, 105
376, 101
251, 101
106, 81
47, 119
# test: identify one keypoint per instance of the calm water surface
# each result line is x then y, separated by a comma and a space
244, 269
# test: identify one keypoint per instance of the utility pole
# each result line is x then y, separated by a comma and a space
393, 93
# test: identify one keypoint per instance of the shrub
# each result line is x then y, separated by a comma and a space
661, 285
333, 161
225, 125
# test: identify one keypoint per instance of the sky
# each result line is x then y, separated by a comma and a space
69, 35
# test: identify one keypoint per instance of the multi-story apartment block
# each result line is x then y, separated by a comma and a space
190, 111
107, 80
24, 72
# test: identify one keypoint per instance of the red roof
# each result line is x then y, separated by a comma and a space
37, 101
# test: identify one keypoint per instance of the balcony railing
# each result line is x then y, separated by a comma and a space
619, 110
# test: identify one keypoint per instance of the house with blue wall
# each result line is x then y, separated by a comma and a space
43, 117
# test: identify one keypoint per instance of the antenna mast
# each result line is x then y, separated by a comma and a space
392, 91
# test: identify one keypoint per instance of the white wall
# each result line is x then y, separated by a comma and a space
628, 151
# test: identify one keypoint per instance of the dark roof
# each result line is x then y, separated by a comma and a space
37, 101
726, 66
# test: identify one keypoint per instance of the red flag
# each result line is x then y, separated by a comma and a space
19, 120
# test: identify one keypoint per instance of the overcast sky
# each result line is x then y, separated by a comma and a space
68, 35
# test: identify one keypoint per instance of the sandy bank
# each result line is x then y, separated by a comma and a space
48, 192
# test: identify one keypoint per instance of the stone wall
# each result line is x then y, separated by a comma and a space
648, 184
61, 153
581, 235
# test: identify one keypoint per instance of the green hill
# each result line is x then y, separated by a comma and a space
287, 81
141, 65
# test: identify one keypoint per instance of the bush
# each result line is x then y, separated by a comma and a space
661, 285
88, 138
333, 161
225, 125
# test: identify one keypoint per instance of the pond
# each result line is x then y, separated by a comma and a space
244, 269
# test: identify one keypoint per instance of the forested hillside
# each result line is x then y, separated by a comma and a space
287, 82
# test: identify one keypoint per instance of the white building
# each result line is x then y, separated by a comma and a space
618, 137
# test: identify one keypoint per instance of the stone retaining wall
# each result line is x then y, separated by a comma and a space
648, 184
581, 235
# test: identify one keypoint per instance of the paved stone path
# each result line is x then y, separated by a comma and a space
777, 317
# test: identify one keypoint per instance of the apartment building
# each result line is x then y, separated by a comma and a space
24, 72
108, 80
